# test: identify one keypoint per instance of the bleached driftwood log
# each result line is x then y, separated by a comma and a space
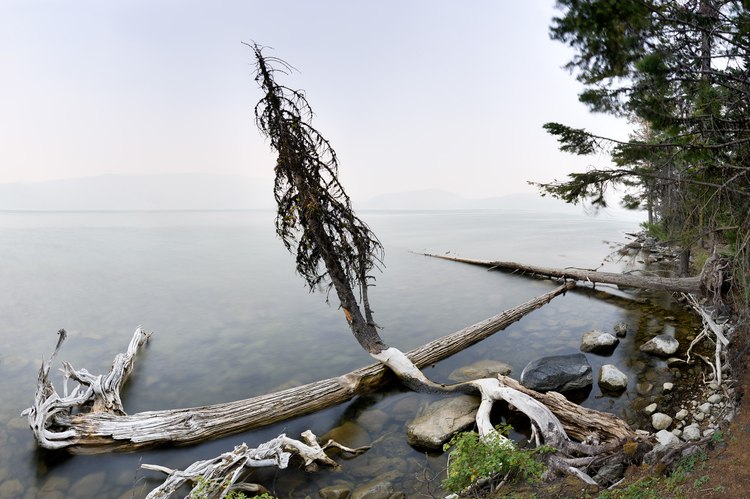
219, 476
64, 421
674, 284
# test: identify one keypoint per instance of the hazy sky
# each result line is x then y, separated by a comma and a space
412, 94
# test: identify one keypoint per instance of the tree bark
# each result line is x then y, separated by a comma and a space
673, 284
60, 422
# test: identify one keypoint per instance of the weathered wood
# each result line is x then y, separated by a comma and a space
673, 284
218, 476
579, 423
55, 425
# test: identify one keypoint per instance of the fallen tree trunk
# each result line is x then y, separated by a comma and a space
673, 284
63, 421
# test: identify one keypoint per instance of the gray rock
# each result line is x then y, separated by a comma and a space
655, 454
379, 488
335, 492
598, 342
705, 408
699, 416
667, 387
677, 432
662, 345
650, 409
611, 378
681, 414
708, 432
620, 329
482, 369
715, 398
558, 373
660, 421
691, 433
667, 438
441, 420
609, 474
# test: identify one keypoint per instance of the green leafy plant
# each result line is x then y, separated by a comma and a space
472, 458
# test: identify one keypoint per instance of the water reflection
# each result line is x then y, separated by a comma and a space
231, 321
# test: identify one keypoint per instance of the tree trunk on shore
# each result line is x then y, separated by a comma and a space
708, 282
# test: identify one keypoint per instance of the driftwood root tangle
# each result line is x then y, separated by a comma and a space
101, 393
219, 476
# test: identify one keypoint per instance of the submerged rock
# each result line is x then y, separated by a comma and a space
441, 420
379, 488
558, 373
662, 345
611, 378
335, 492
620, 329
598, 342
483, 369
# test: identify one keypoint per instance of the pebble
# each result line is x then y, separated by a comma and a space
681, 414
692, 432
705, 408
667, 438
660, 421
708, 432
650, 409
715, 398
668, 387
699, 416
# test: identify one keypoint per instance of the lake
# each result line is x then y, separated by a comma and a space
232, 320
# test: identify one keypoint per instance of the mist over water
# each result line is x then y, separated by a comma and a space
232, 320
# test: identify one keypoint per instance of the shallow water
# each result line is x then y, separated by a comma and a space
232, 320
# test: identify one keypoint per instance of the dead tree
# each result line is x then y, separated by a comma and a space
333, 248
712, 282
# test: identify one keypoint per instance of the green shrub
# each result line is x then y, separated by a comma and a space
472, 458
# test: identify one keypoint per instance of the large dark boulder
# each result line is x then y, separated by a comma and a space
559, 373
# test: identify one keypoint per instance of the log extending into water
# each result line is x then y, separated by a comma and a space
672, 284
59, 422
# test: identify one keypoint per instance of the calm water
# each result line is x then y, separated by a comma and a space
232, 320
